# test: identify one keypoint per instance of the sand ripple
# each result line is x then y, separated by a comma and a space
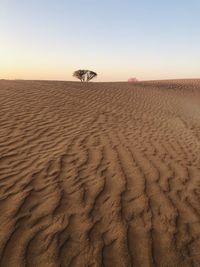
100, 174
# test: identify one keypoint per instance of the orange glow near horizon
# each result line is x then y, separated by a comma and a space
38, 65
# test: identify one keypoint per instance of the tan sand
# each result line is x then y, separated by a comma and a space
100, 174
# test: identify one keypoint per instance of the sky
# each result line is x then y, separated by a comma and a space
147, 39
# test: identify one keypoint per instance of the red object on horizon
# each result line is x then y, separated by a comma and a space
132, 80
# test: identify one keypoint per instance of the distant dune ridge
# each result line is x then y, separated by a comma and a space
100, 174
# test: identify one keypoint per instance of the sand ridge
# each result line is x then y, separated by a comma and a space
100, 174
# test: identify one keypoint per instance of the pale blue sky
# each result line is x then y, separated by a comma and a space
149, 39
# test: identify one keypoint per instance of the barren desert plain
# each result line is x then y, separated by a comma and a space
100, 174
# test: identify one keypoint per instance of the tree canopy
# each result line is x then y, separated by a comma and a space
84, 75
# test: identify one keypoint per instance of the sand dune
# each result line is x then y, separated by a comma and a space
100, 174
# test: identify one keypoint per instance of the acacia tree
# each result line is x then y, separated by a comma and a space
80, 74
84, 75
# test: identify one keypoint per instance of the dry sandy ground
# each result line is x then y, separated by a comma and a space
100, 174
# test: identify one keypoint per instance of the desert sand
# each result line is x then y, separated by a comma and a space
100, 174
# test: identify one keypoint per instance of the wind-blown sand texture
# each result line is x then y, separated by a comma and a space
100, 174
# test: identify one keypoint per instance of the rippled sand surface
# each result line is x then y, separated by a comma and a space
100, 174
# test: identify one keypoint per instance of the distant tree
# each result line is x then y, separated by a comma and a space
84, 75
132, 80
80, 74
